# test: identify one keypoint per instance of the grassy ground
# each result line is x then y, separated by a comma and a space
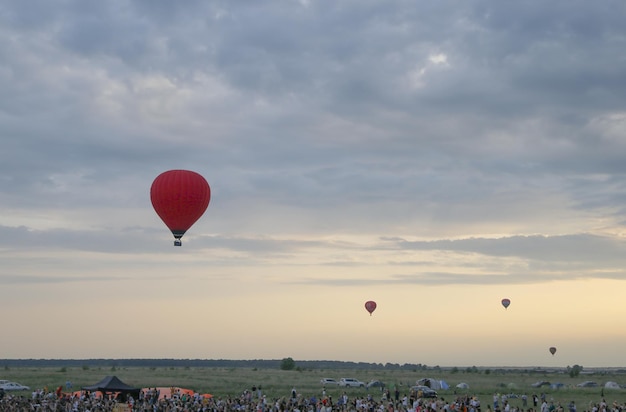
277, 383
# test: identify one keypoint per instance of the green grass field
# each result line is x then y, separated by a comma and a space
278, 383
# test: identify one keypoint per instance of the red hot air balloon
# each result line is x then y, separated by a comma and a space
370, 305
180, 197
552, 350
506, 302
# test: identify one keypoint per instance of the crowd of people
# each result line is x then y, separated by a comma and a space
248, 401
255, 401
541, 403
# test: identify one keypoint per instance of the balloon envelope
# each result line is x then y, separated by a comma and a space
370, 306
180, 197
552, 350
506, 302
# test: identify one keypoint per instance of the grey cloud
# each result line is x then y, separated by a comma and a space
306, 115
97, 240
139, 240
54, 279
433, 279
567, 248
454, 278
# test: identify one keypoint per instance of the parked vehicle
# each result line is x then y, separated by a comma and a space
328, 381
14, 386
424, 391
588, 384
351, 382
375, 384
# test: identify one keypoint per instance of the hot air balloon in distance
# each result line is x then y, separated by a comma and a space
370, 306
552, 350
180, 198
506, 302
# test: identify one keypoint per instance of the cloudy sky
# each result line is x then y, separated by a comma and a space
435, 157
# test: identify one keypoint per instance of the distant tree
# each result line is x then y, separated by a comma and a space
287, 364
454, 370
574, 371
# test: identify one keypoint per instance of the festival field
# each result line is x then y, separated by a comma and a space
276, 383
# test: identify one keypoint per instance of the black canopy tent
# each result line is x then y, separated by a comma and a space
112, 384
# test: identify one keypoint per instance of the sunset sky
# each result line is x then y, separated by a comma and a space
432, 156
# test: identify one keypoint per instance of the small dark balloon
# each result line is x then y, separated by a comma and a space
370, 306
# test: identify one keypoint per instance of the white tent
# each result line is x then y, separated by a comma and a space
433, 383
612, 385
462, 385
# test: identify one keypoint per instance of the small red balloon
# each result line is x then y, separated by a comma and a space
180, 198
370, 306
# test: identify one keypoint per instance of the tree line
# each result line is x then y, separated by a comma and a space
212, 363
286, 363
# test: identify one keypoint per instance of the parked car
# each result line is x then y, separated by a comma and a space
424, 391
355, 383
587, 384
375, 384
14, 386
328, 381
539, 384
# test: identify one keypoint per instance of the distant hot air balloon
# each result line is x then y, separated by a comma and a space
552, 350
370, 305
506, 302
180, 197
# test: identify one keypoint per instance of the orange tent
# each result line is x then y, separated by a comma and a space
170, 391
